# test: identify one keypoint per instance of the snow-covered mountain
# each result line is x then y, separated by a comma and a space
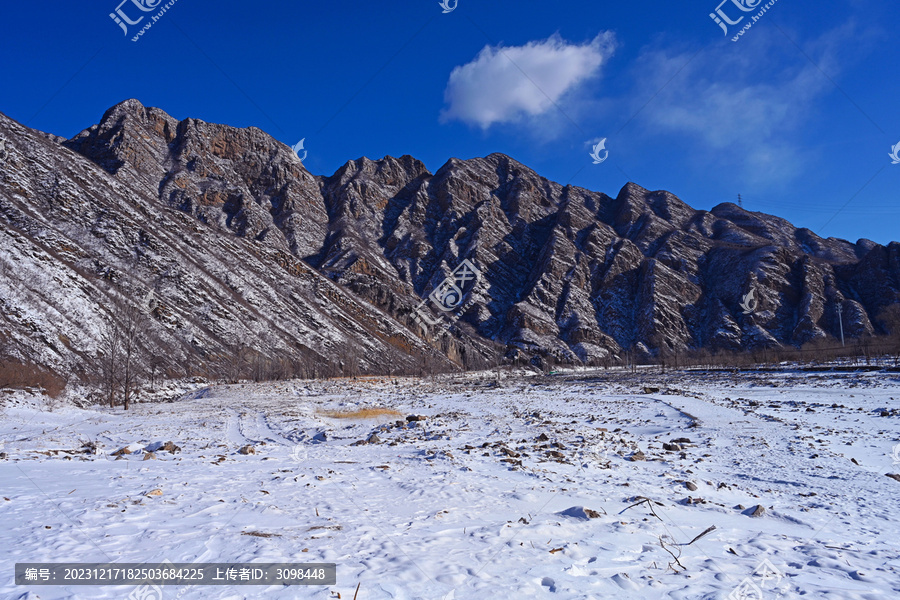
230, 244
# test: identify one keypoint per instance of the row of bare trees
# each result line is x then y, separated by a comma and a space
865, 349
129, 356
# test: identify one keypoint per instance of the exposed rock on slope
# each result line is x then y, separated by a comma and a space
69, 229
225, 237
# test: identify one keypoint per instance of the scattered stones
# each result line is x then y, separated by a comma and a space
149, 456
672, 447
650, 390
580, 512
690, 485
248, 449
893, 476
542, 438
411, 418
756, 511
156, 492
681, 440
637, 456
373, 439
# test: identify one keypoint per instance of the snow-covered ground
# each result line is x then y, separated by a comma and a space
485, 498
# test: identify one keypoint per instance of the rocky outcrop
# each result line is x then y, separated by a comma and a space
227, 240
134, 223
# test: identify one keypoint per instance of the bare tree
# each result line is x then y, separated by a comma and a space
124, 335
235, 363
110, 358
133, 330
156, 365
349, 360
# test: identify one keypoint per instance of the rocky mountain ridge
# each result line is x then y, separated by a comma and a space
224, 237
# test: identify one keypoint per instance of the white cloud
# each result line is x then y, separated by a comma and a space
747, 103
507, 84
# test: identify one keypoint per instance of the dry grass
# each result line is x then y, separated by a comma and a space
262, 534
362, 413
16, 375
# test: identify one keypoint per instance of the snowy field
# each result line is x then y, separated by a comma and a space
551, 487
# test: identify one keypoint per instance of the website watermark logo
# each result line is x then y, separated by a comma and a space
605, 450
445, 4
297, 148
448, 296
122, 17
895, 454
722, 17
595, 152
895, 154
749, 302
146, 592
151, 591
299, 453
749, 589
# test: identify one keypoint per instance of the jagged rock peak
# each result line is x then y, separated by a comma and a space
214, 217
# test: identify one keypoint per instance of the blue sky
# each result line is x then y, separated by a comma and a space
798, 116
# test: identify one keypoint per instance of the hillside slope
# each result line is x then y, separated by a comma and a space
228, 241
